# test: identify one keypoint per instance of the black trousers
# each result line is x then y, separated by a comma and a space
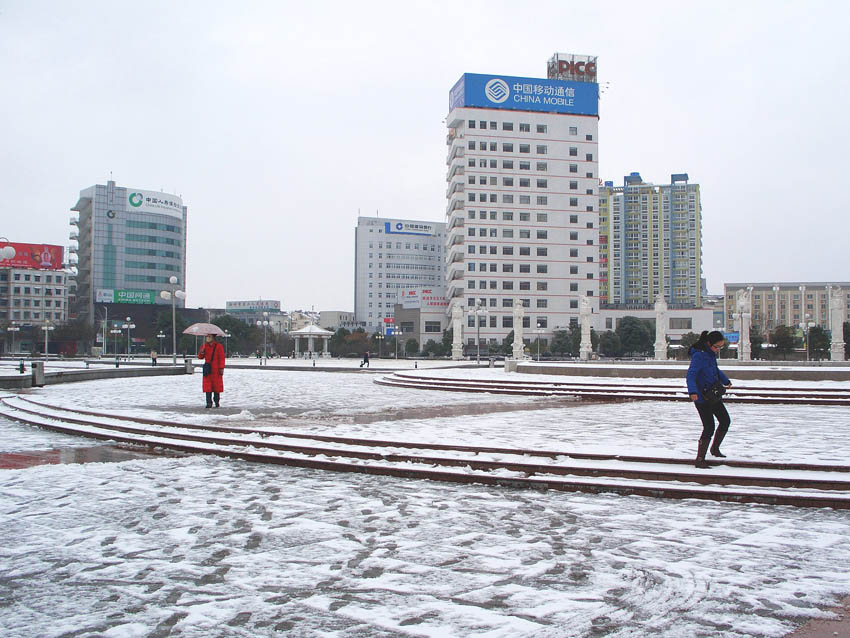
707, 413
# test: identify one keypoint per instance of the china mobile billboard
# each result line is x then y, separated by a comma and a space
154, 202
40, 256
525, 94
109, 295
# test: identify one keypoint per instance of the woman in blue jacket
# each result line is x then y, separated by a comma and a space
702, 373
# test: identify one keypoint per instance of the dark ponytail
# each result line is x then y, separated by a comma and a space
706, 338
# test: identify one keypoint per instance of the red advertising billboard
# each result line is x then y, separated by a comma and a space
41, 256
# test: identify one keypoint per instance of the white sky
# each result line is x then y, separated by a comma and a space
277, 121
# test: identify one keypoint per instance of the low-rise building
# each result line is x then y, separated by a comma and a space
784, 303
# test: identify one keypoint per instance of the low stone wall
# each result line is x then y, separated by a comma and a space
677, 370
26, 380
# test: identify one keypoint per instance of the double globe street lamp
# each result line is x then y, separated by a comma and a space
12, 330
265, 324
478, 311
173, 294
380, 339
47, 328
129, 325
116, 332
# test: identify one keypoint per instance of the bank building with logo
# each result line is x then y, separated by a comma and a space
522, 199
130, 243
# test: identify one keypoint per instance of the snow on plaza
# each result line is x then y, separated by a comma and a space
195, 545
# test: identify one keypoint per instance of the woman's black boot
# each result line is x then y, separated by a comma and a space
701, 463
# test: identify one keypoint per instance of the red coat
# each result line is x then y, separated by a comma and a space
213, 353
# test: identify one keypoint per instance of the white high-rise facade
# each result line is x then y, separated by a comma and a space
394, 256
522, 202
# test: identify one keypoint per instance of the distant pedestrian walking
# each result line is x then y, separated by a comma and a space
365, 361
153, 357
706, 385
212, 352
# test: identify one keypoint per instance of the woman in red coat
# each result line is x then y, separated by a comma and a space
212, 352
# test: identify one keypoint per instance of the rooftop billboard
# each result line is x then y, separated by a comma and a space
40, 256
154, 202
525, 94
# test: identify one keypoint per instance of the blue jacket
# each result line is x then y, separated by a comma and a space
703, 372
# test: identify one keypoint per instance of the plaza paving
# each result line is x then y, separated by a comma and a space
200, 546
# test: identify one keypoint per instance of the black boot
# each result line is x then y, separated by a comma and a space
701, 463
718, 439
209, 399
217, 398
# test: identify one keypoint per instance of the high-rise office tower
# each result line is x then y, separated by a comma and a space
650, 240
131, 242
522, 198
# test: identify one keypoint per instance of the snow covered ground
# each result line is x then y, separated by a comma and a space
199, 546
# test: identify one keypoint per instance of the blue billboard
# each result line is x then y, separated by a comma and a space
525, 94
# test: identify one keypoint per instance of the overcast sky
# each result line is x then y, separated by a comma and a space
277, 122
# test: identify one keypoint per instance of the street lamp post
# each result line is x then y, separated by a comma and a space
105, 321
265, 324
477, 312
380, 339
775, 306
173, 294
227, 336
539, 332
47, 328
128, 326
805, 327
116, 332
12, 329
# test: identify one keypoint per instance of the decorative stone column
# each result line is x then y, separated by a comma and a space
743, 303
837, 310
518, 345
660, 328
586, 346
457, 331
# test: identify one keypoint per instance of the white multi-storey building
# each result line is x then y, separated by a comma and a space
393, 256
522, 201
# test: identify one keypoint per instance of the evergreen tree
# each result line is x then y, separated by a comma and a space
411, 347
756, 343
818, 343
609, 344
688, 340
635, 336
783, 341
562, 342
